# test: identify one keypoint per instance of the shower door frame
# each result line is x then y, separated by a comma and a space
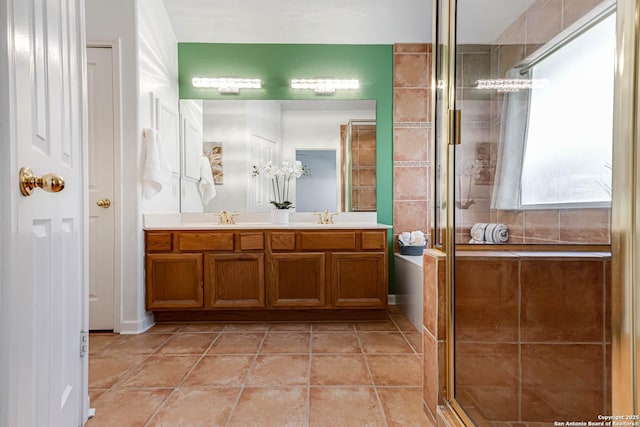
625, 216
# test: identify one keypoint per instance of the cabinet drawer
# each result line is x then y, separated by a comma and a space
251, 241
319, 241
206, 241
283, 241
374, 240
159, 242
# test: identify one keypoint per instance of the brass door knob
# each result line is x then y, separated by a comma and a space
50, 182
104, 203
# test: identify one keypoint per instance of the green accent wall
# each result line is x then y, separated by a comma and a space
277, 64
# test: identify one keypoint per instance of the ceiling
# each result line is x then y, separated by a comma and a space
331, 21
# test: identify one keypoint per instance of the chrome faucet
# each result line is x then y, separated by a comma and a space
225, 218
325, 218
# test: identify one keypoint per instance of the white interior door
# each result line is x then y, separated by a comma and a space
101, 187
43, 374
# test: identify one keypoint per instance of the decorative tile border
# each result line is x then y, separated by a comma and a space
411, 125
411, 164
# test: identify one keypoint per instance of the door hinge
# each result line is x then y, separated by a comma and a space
455, 122
84, 343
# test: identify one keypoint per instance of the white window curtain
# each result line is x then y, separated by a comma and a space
513, 132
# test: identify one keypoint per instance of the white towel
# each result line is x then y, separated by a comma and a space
497, 233
157, 169
206, 186
478, 232
418, 239
405, 238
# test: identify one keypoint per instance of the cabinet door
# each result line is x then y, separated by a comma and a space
358, 280
234, 280
174, 281
297, 280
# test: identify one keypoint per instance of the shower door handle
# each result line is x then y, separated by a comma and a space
455, 123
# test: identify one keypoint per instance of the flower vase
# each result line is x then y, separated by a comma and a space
280, 216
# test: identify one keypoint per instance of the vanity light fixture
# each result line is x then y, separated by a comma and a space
325, 86
226, 85
510, 85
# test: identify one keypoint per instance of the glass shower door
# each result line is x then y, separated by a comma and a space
528, 262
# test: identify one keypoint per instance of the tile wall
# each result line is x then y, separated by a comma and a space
363, 154
532, 339
411, 137
481, 114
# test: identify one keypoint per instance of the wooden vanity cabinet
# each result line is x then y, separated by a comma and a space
277, 270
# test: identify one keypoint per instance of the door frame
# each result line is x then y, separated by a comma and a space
115, 46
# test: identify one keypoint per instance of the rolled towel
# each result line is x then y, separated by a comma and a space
499, 233
478, 232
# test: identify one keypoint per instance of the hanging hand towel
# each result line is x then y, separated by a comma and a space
206, 185
157, 169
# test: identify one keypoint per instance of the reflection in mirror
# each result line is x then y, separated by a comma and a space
243, 132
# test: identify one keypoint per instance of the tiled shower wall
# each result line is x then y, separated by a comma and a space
363, 168
411, 134
481, 114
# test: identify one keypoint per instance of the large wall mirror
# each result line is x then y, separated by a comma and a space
336, 139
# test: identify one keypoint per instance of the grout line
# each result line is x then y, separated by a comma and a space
308, 401
175, 388
373, 383
246, 379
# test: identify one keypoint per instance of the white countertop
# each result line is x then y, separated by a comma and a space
258, 221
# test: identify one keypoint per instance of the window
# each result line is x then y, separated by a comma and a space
568, 142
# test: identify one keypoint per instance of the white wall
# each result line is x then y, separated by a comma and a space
319, 191
148, 62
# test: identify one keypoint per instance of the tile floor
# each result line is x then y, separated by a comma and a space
259, 374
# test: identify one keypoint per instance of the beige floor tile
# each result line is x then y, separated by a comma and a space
137, 344
335, 342
197, 407
385, 325
160, 371
279, 370
165, 328
127, 408
384, 342
246, 327
333, 327
95, 393
271, 407
403, 407
194, 343
404, 324
415, 339
219, 371
237, 343
395, 370
98, 342
344, 407
286, 342
300, 327
339, 369
105, 371
205, 327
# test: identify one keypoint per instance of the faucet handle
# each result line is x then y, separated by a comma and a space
333, 215
319, 217
219, 215
233, 215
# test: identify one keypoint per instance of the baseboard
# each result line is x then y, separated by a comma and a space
391, 299
133, 327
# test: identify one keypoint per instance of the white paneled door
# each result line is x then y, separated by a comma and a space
43, 302
101, 187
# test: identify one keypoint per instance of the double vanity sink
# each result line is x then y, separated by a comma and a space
198, 269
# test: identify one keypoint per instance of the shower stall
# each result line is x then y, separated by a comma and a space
518, 293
